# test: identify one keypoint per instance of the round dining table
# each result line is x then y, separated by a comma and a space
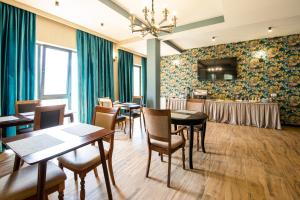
190, 118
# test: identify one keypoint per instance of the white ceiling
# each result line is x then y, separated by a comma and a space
244, 19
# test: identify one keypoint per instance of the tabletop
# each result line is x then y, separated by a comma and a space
128, 105
187, 117
49, 143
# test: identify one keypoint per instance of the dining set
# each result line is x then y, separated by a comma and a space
42, 136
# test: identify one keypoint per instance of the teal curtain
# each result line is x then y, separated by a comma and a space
17, 58
95, 72
125, 74
144, 80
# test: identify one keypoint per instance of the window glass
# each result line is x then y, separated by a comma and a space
56, 71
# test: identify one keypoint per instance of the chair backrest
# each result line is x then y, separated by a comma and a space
48, 116
106, 118
158, 124
27, 106
105, 102
137, 100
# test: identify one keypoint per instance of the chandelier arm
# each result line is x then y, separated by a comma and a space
162, 21
167, 26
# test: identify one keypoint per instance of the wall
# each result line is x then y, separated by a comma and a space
265, 66
51, 32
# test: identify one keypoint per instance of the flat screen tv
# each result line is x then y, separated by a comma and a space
217, 69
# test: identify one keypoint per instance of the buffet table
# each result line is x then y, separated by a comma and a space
262, 115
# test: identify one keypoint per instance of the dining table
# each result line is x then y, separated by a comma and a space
129, 106
190, 118
23, 119
38, 147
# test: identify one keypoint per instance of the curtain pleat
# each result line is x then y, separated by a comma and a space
95, 72
17, 59
125, 74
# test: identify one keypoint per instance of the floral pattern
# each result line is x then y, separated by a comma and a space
265, 66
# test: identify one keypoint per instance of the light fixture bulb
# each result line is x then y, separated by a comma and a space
270, 30
174, 13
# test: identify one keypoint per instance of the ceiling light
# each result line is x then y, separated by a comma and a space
56, 3
213, 39
150, 25
270, 30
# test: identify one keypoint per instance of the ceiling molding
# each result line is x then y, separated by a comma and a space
174, 46
56, 19
198, 24
131, 51
130, 40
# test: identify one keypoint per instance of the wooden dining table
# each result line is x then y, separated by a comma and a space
54, 142
23, 119
191, 119
130, 107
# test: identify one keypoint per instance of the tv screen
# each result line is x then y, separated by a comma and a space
217, 69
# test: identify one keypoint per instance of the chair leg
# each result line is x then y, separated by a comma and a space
61, 191
60, 166
96, 172
161, 157
183, 158
82, 186
169, 170
75, 176
110, 170
149, 161
198, 146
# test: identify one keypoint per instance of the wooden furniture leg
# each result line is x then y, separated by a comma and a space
82, 186
16, 163
110, 170
203, 137
102, 156
148, 164
191, 146
42, 168
169, 169
96, 172
183, 158
61, 192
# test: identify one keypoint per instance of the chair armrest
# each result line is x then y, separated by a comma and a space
178, 130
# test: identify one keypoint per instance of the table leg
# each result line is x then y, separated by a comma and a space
130, 123
191, 147
104, 166
72, 118
42, 169
17, 163
175, 127
203, 137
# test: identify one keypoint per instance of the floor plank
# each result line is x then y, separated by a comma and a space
241, 163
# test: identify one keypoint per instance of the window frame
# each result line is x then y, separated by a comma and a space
41, 53
140, 78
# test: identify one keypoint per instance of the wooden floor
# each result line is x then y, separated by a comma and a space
241, 163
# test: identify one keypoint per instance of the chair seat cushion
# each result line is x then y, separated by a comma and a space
120, 118
22, 183
81, 159
176, 141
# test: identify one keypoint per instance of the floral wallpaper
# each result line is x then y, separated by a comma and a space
265, 66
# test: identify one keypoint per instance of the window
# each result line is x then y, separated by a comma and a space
136, 80
56, 69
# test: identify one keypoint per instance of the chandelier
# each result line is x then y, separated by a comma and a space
150, 25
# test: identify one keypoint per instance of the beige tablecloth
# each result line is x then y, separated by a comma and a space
262, 115
176, 104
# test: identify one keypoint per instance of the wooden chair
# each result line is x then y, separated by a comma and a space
136, 113
22, 184
107, 102
24, 107
48, 116
85, 159
160, 137
195, 106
